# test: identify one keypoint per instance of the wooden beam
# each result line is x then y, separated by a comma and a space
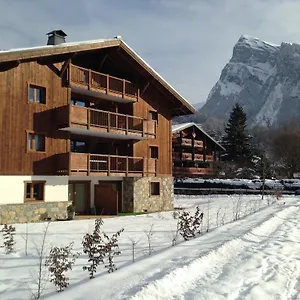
102, 62
54, 69
9, 65
65, 66
146, 86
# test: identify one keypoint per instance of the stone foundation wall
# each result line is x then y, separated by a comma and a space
137, 198
33, 212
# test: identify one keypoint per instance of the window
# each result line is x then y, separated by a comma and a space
79, 146
35, 142
34, 190
153, 115
153, 151
81, 103
37, 94
154, 189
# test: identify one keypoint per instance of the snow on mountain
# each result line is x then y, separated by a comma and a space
262, 77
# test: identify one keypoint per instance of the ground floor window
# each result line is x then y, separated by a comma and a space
154, 189
34, 190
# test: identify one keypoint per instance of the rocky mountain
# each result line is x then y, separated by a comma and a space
263, 78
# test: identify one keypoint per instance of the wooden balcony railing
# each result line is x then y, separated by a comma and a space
198, 157
186, 142
192, 171
186, 156
111, 122
104, 83
106, 165
198, 143
209, 158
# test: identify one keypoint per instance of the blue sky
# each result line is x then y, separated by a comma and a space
187, 41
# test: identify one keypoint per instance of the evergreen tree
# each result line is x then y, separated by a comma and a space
236, 139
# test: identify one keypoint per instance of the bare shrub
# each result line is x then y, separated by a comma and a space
93, 248
149, 235
59, 261
111, 249
8, 232
190, 225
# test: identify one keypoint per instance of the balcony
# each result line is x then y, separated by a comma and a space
198, 157
186, 156
84, 80
193, 171
209, 158
184, 142
109, 165
89, 121
198, 143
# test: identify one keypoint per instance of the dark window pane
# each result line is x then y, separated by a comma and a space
153, 115
38, 189
38, 96
30, 141
28, 186
154, 152
154, 188
31, 94
39, 142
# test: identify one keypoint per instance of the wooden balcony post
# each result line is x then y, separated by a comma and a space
88, 118
90, 79
126, 125
108, 165
108, 121
126, 165
107, 83
89, 164
124, 87
69, 78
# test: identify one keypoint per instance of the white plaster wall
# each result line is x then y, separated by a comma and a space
94, 180
12, 188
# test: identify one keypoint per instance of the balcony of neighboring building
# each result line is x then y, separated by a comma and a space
192, 171
101, 123
89, 82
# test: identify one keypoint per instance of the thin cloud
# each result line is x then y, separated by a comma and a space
187, 41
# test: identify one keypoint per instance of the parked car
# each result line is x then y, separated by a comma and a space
297, 192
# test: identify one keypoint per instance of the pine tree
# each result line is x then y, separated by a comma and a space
236, 140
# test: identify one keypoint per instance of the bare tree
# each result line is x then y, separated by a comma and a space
133, 245
40, 279
8, 232
149, 235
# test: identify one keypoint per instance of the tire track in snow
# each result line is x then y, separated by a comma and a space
180, 281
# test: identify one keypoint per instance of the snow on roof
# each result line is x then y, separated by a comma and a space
62, 45
99, 41
183, 126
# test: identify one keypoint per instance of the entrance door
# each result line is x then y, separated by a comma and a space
107, 196
79, 194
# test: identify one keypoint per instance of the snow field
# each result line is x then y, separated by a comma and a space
171, 271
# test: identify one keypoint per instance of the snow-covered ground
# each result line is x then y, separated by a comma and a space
251, 251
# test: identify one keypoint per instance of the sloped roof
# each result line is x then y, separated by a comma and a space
182, 126
65, 48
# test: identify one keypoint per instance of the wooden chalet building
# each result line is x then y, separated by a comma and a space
194, 151
87, 122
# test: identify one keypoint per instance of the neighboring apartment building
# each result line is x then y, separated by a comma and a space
194, 151
87, 122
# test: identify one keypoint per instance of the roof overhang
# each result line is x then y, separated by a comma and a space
180, 105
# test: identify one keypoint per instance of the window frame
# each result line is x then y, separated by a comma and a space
150, 188
150, 114
32, 183
43, 93
34, 133
150, 150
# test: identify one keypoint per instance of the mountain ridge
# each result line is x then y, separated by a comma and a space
263, 78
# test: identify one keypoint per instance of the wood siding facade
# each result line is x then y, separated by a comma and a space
59, 121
